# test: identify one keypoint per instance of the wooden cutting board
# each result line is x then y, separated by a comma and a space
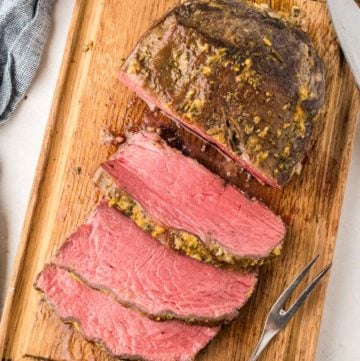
88, 98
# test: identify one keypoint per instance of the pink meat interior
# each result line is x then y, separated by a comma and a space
124, 332
179, 193
110, 251
150, 99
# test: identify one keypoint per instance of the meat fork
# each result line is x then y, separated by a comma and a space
278, 318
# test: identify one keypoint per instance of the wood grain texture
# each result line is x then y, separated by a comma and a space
88, 98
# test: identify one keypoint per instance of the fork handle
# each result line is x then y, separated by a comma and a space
265, 338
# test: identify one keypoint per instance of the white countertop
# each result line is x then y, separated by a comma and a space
20, 144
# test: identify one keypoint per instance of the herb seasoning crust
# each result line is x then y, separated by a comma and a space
240, 76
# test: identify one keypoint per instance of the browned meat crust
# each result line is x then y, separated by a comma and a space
240, 76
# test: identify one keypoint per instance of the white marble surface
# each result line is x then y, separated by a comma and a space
20, 143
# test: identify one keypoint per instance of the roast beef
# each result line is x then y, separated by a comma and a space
242, 77
110, 252
123, 332
167, 192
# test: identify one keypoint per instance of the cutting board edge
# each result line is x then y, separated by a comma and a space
40, 172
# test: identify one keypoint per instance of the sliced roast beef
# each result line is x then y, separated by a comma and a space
167, 192
241, 77
125, 333
110, 252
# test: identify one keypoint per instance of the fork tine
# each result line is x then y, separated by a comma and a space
306, 293
277, 318
278, 305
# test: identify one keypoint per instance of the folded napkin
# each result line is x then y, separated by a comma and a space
24, 27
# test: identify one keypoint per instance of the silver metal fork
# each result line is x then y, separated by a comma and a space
278, 318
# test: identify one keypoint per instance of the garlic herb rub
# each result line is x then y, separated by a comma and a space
184, 205
242, 77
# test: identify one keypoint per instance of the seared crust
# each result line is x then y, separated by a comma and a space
242, 77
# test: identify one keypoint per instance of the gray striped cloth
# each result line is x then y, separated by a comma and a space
24, 27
